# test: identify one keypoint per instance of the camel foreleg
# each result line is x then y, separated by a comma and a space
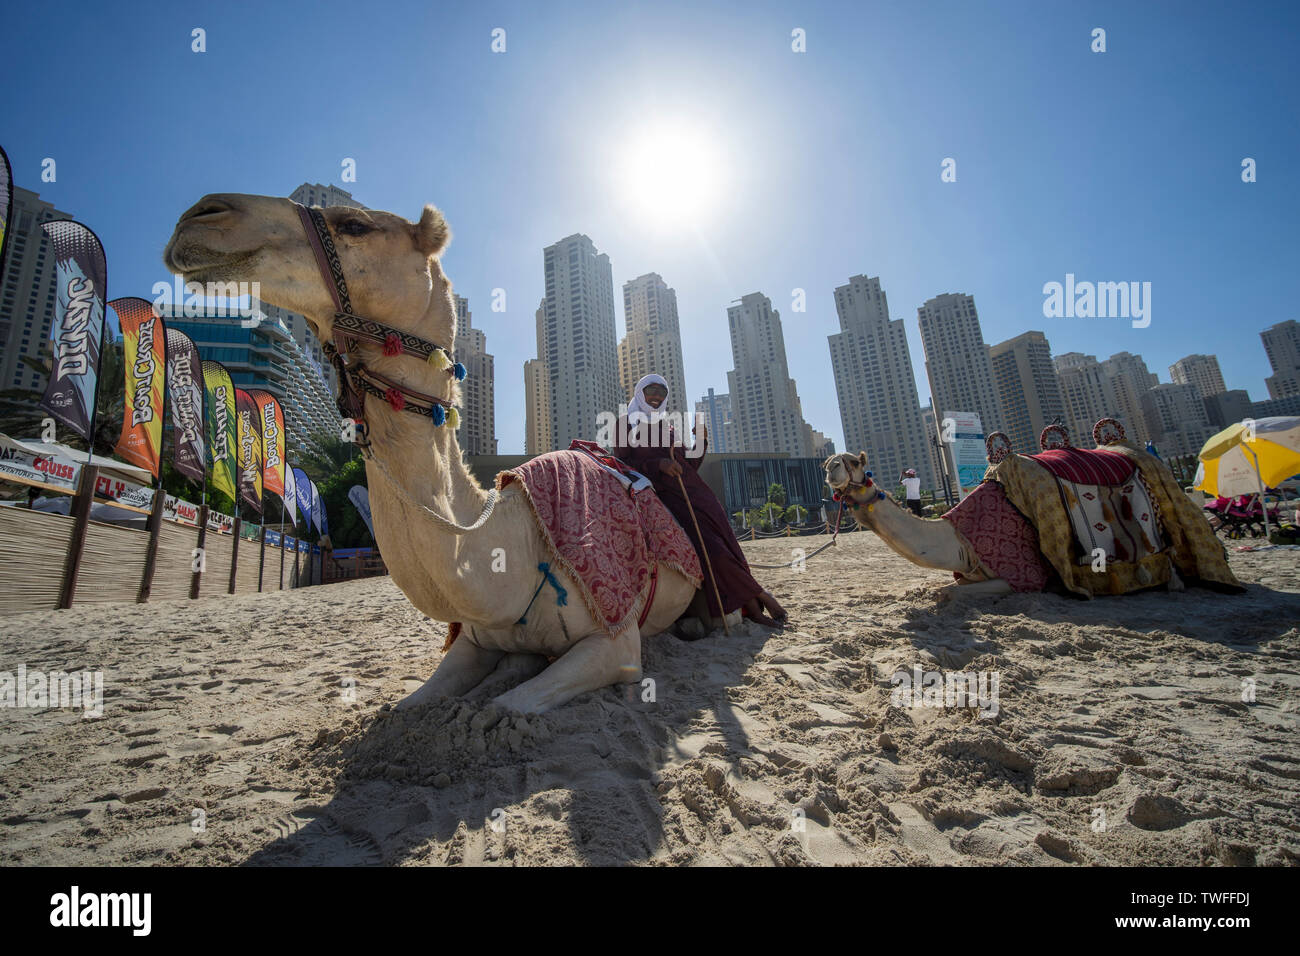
462, 669
595, 661
991, 587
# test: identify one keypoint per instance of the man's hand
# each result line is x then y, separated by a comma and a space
670, 467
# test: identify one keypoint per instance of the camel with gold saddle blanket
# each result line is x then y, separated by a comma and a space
1105, 521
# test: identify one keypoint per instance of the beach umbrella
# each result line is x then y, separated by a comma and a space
1250, 456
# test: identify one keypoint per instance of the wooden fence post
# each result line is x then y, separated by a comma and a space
81, 519
151, 551
234, 554
203, 537
261, 560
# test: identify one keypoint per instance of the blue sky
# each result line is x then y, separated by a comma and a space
1115, 166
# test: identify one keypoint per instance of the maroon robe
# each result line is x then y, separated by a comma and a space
720, 548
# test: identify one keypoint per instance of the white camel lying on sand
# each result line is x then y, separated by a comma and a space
431, 518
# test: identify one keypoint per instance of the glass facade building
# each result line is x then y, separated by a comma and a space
260, 352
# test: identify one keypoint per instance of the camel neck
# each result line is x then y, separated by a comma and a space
929, 543
423, 468
424, 461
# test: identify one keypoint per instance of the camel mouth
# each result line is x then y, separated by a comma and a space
191, 250
202, 263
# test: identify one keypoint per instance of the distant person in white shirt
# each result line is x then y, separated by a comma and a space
912, 488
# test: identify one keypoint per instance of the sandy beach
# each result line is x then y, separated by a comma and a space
249, 730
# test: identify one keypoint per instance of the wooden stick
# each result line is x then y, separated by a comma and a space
77, 543
234, 549
703, 550
261, 559
203, 537
281, 544
151, 550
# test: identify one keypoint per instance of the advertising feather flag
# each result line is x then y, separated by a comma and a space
185, 396
318, 511
81, 277
291, 494
302, 490
144, 353
359, 495
220, 405
248, 439
6, 203
271, 420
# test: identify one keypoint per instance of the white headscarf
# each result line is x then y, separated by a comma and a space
639, 410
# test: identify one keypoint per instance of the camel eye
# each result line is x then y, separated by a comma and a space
353, 227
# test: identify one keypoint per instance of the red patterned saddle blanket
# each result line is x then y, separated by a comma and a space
604, 536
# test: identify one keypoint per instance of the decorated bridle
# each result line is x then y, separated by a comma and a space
846, 494
349, 330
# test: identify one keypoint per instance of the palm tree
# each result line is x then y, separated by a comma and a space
776, 495
22, 416
325, 454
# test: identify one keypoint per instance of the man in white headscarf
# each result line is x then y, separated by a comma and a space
654, 449
641, 409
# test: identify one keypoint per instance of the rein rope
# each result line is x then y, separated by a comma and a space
845, 494
561, 595
449, 524
829, 544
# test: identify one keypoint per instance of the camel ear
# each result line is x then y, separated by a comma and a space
432, 232
862, 459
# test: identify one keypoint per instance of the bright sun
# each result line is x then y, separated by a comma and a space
671, 175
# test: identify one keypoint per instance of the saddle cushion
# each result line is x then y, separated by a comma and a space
1117, 519
1005, 543
601, 535
1086, 467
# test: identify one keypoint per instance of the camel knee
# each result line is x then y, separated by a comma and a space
594, 662
627, 657
462, 668
520, 666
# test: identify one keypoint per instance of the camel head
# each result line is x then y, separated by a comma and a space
843, 470
389, 263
